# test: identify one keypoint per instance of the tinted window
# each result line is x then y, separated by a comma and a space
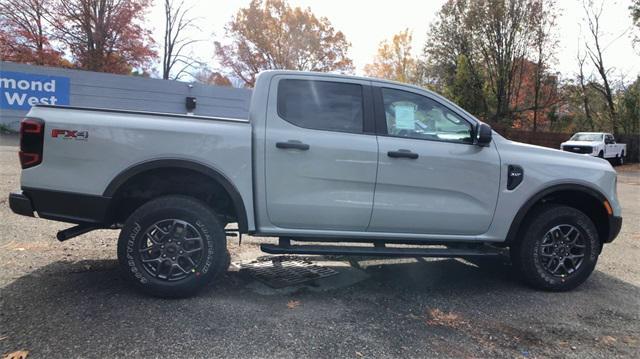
414, 116
321, 105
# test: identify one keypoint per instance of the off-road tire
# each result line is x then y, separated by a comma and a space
211, 261
526, 253
621, 159
601, 154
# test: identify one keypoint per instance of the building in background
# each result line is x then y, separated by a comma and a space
22, 86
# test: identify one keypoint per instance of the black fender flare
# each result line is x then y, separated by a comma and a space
528, 205
119, 180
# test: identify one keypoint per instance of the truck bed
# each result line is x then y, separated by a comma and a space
101, 144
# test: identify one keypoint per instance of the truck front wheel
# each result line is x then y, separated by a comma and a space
559, 248
172, 247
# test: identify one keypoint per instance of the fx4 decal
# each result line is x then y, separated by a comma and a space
70, 134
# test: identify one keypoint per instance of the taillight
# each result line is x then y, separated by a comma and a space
31, 140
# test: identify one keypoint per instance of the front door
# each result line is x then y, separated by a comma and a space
609, 146
431, 178
320, 166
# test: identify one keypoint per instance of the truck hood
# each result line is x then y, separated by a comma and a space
581, 143
545, 167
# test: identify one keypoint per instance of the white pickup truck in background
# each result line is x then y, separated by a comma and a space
596, 144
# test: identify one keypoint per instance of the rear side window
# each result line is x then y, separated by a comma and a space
321, 105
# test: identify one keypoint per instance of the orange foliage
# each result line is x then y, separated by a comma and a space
105, 35
270, 34
523, 100
25, 33
394, 60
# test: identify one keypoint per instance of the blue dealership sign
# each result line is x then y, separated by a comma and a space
21, 90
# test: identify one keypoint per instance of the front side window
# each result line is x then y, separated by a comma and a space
414, 116
321, 105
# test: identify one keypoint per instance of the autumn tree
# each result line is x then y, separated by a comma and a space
25, 33
595, 52
394, 60
494, 36
502, 31
177, 21
105, 35
544, 43
582, 82
270, 34
209, 77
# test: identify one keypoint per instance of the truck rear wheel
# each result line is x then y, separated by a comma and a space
172, 247
559, 248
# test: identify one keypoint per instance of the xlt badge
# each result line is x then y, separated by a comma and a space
514, 176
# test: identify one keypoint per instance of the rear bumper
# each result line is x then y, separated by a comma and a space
61, 206
615, 223
20, 204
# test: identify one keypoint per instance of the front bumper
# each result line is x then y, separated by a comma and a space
20, 204
615, 223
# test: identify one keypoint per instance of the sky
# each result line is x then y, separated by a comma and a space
367, 23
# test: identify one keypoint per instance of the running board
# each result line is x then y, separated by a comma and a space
380, 251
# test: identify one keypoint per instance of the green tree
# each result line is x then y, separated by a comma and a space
450, 36
466, 88
629, 105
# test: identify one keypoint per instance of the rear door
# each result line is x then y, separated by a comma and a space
320, 162
431, 178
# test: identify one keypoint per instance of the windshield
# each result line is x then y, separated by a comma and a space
587, 137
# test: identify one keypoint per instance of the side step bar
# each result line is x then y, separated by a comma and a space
381, 251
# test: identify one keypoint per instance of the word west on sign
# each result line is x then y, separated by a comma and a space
21, 90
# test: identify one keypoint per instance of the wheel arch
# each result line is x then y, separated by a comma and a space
581, 197
120, 182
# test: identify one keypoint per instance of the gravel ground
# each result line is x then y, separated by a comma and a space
66, 300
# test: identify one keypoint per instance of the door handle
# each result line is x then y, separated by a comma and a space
292, 144
402, 154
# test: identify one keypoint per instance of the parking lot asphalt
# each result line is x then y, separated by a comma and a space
67, 300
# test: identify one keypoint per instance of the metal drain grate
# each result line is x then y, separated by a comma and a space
280, 272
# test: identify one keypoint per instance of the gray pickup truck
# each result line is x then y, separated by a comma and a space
321, 159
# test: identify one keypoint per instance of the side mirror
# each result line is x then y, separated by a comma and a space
483, 137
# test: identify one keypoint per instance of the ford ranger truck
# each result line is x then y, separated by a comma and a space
596, 144
384, 168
